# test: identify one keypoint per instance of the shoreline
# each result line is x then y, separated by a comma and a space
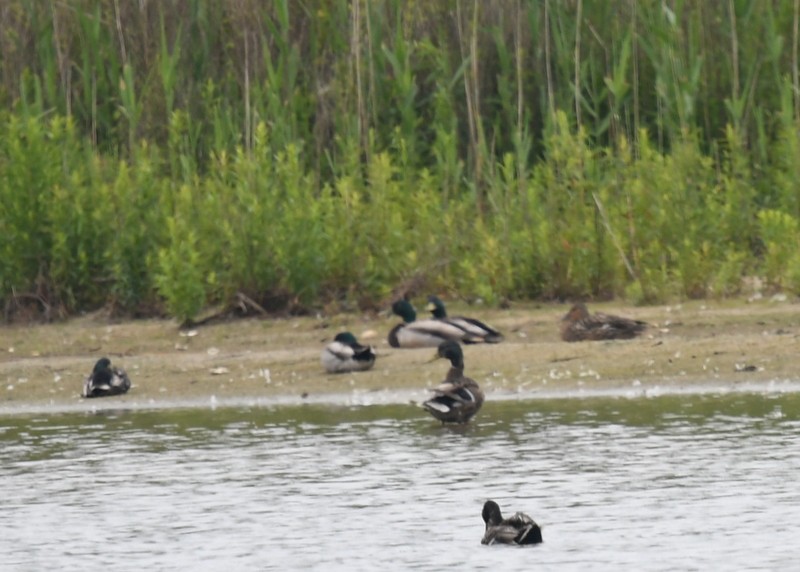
388, 397
694, 347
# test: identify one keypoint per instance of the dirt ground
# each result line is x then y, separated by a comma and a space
725, 344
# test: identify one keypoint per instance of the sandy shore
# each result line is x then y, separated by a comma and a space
695, 346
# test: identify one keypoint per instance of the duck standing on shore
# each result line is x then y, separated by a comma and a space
457, 399
424, 333
517, 529
345, 354
578, 325
472, 326
106, 380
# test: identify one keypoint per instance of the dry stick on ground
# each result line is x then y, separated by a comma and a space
245, 301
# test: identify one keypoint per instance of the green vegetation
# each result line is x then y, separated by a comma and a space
165, 156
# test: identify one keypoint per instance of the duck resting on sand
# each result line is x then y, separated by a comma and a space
471, 325
424, 333
578, 325
517, 529
106, 380
457, 399
345, 354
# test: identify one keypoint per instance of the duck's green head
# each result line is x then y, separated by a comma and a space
451, 350
405, 310
102, 364
436, 307
491, 513
346, 338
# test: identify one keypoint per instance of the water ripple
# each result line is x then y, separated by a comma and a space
675, 482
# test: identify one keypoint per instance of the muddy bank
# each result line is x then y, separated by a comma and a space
694, 346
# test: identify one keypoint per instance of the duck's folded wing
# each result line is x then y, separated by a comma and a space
519, 519
445, 388
452, 398
500, 534
618, 322
340, 351
476, 328
363, 353
92, 389
443, 329
120, 380
528, 532
455, 392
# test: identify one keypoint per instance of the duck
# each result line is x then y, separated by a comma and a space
424, 333
578, 325
106, 380
517, 529
345, 354
457, 399
471, 325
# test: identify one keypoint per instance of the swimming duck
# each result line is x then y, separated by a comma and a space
345, 354
106, 380
578, 325
470, 325
458, 398
424, 333
518, 529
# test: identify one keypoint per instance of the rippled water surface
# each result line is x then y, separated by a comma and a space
667, 483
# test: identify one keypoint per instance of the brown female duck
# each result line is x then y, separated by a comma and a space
578, 325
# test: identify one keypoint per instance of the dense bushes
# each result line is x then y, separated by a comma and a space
582, 223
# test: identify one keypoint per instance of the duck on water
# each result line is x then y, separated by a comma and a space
517, 529
458, 398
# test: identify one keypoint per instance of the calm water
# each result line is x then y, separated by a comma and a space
667, 483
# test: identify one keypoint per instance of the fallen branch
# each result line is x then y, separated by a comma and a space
246, 301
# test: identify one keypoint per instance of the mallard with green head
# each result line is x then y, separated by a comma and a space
424, 333
457, 399
474, 327
578, 326
345, 354
106, 380
517, 529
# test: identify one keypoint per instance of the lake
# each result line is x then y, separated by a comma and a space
673, 482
